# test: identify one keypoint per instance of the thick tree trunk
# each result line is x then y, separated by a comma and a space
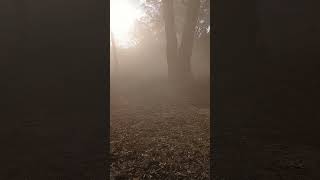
185, 50
179, 59
171, 38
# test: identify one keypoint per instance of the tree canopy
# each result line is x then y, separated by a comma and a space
151, 25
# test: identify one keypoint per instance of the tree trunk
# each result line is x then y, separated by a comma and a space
171, 38
185, 50
179, 60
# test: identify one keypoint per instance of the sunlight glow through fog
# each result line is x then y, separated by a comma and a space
123, 14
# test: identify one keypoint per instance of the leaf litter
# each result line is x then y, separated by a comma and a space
159, 136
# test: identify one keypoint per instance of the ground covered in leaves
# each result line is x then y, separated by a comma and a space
160, 132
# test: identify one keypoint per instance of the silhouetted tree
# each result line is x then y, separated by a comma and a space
179, 57
171, 38
185, 49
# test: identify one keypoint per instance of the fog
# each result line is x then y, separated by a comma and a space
150, 62
160, 93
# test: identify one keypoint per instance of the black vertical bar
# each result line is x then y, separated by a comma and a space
107, 85
54, 109
234, 51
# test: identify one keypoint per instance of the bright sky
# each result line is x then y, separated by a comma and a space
123, 14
